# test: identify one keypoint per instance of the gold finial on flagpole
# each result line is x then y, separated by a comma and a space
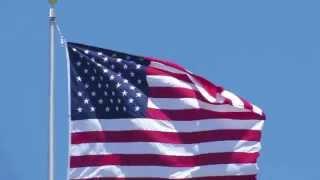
53, 2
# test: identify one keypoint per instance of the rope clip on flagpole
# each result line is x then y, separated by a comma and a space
52, 25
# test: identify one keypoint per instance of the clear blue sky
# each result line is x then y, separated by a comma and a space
266, 51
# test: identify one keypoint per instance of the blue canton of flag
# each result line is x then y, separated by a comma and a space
106, 84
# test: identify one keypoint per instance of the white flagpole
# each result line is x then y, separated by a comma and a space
52, 24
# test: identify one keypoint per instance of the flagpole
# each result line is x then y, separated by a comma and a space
52, 23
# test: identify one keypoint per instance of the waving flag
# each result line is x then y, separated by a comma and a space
141, 118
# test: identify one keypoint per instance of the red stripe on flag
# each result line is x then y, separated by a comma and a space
156, 71
163, 160
210, 87
164, 137
196, 114
246, 104
166, 63
171, 92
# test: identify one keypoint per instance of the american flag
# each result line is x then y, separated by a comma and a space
140, 118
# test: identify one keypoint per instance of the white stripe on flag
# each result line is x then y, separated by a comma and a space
163, 172
165, 67
236, 101
190, 103
256, 109
196, 85
164, 148
167, 81
163, 125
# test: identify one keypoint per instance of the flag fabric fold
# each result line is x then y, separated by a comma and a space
137, 118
